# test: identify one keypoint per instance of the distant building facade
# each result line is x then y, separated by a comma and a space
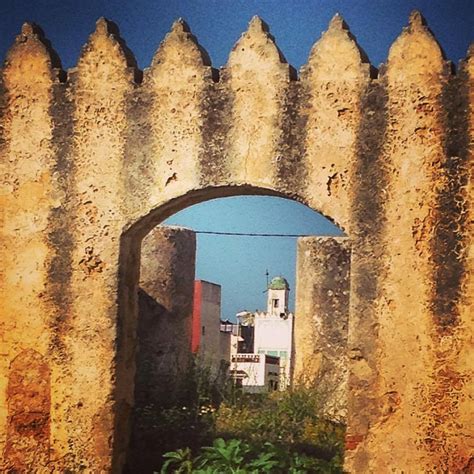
256, 351
274, 328
255, 373
209, 343
268, 334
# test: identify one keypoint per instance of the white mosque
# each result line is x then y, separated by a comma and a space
261, 349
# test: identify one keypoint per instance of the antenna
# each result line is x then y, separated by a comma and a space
266, 274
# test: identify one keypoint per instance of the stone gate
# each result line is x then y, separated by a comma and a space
94, 158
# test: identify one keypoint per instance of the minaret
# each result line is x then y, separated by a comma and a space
278, 290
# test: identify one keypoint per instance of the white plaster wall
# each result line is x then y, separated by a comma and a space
274, 334
282, 296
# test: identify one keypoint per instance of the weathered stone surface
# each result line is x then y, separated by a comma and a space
412, 153
178, 102
29, 405
28, 194
165, 305
322, 320
458, 419
98, 87
92, 164
333, 82
257, 76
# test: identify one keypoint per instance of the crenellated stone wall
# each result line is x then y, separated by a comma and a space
95, 157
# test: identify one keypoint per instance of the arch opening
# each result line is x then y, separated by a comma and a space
129, 292
163, 211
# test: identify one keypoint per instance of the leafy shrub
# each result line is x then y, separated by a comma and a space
209, 427
180, 461
237, 457
289, 419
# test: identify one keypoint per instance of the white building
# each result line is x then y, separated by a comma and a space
274, 328
255, 373
269, 334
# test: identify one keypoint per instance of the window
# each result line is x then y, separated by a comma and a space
283, 354
203, 330
275, 302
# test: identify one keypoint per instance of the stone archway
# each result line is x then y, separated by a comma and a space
90, 157
158, 308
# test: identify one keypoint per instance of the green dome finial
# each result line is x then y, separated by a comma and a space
278, 283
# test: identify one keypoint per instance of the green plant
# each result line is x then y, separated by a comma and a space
210, 427
237, 457
290, 419
180, 461
226, 456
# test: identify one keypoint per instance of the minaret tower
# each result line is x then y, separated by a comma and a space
278, 290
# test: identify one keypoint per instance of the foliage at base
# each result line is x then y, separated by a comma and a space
234, 456
211, 427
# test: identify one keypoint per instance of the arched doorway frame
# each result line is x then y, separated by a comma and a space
129, 274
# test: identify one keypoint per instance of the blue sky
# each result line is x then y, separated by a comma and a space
239, 264
296, 24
